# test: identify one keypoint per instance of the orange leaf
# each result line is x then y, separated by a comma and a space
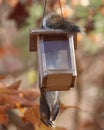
32, 115
63, 2
12, 89
4, 108
20, 8
15, 85
1, 1
2, 77
79, 37
12, 49
9, 95
16, 99
12, 3
8, 91
4, 119
32, 94
3, 115
59, 128
2, 52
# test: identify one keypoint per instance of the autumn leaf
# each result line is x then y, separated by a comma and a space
12, 3
5, 89
15, 85
12, 49
2, 52
4, 119
31, 94
3, 113
32, 115
79, 37
16, 99
2, 77
4, 108
59, 128
1, 1
15, 14
11, 97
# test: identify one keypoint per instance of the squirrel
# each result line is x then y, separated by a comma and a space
49, 106
56, 21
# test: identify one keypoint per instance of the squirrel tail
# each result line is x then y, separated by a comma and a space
56, 21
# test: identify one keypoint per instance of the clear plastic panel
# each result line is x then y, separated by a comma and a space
57, 55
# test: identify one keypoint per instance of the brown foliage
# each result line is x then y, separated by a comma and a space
32, 115
19, 14
11, 97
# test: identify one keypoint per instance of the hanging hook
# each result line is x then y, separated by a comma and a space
46, 4
44, 8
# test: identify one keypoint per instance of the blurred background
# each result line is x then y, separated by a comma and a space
83, 106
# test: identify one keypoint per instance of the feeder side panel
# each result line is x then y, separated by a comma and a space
33, 42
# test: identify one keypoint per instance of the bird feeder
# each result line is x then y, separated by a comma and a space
56, 56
